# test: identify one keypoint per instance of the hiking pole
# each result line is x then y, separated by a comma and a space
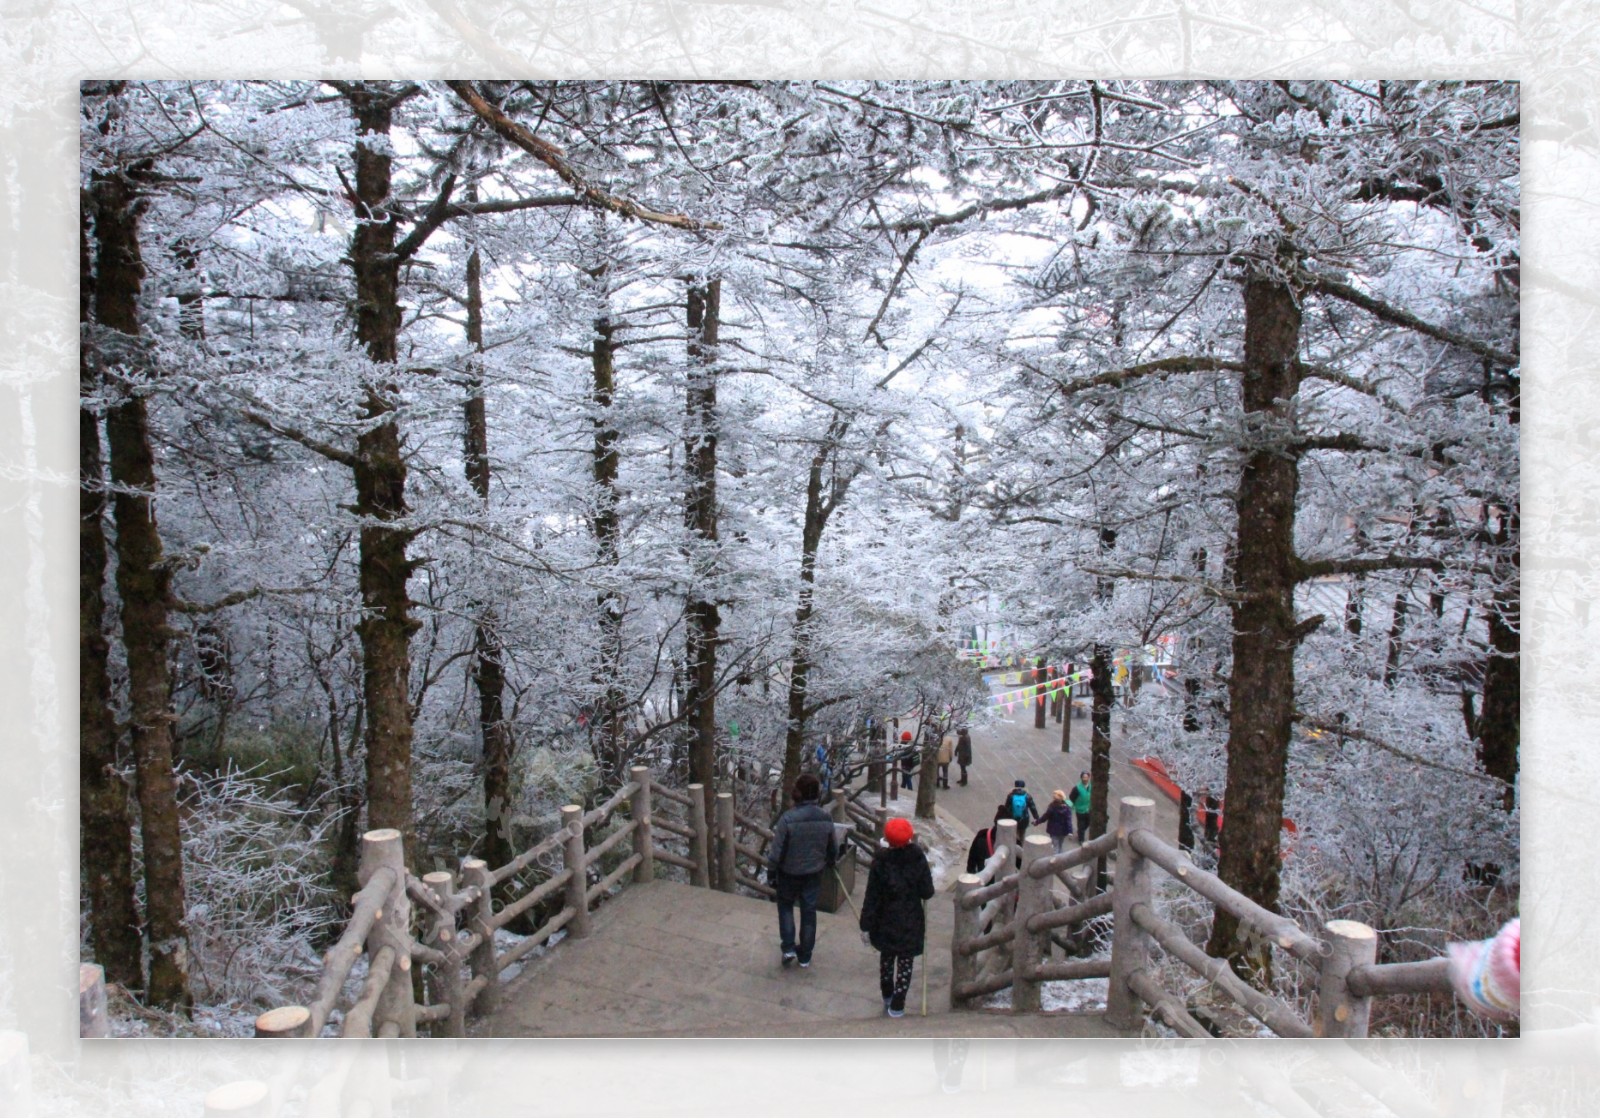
924, 960
845, 892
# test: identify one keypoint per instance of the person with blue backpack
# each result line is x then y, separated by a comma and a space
1019, 803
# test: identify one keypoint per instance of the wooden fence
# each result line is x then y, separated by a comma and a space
1004, 916
445, 923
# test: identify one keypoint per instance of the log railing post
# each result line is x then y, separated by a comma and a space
643, 835
1029, 947
92, 1020
446, 938
1005, 836
1340, 1012
1130, 944
475, 872
700, 844
577, 864
726, 840
392, 928
963, 967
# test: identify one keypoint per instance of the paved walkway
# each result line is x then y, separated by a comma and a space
666, 959
1011, 747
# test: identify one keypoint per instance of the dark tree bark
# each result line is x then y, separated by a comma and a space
106, 826
1499, 723
143, 584
608, 728
700, 512
1103, 696
380, 479
816, 520
488, 660
1261, 690
1397, 632
1039, 700
1066, 709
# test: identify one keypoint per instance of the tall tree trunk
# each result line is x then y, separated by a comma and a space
1397, 632
488, 661
1039, 699
700, 513
106, 843
1499, 724
1261, 690
608, 671
380, 480
1103, 696
143, 583
800, 655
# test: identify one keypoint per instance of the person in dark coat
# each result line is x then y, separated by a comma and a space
963, 753
909, 762
1057, 820
983, 844
892, 918
803, 846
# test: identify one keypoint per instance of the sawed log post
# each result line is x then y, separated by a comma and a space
727, 840
379, 848
1130, 944
577, 865
1029, 947
447, 939
475, 872
700, 844
1341, 1012
643, 835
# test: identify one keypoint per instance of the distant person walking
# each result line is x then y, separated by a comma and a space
803, 846
892, 919
1080, 800
963, 753
1057, 820
947, 753
983, 843
1020, 806
908, 763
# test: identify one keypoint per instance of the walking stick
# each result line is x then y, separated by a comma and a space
924, 960
837, 878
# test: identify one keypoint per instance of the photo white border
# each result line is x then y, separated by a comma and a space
49, 46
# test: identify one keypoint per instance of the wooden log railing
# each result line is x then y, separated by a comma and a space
1347, 976
448, 927
1003, 921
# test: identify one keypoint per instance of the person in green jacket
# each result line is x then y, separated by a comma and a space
1080, 798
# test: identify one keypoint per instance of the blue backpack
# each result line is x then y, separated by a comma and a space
1019, 805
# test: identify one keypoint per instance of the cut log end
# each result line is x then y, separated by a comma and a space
242, 1097
283, 1021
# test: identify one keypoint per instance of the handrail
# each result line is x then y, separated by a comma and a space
1281, 930
517, 865
1266, 1009
600, 812
1088, 853
1423, 977
338, 960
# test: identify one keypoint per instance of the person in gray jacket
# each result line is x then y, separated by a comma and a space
803, 846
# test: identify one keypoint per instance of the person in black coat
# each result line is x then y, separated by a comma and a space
892, 918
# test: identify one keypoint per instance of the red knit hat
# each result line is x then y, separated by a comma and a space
905, 736
898, 831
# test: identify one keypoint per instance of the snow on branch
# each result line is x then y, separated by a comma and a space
553, 158
1392, 314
